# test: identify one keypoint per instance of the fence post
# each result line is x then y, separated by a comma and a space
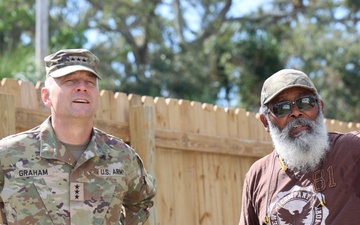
7, 115
142, 139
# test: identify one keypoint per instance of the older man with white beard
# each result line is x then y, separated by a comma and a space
312, 177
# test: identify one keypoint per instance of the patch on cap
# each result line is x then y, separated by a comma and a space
67, 61
282, 80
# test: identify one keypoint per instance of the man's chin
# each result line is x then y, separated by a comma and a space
300, 131
298, 134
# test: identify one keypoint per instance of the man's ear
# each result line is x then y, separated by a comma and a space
45, 97
265, 122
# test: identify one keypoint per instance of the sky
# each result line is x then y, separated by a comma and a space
245, 6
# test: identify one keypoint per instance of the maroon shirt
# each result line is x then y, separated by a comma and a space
289, 198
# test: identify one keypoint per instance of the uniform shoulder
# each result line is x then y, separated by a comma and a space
112, 141
19, 137
106, 136
18, 144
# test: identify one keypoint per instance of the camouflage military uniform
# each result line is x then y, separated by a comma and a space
42, 183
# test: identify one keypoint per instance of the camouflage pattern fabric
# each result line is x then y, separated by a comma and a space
282, 80
42, 183
67, 61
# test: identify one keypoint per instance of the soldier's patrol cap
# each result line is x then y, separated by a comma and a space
67, 61
282, 80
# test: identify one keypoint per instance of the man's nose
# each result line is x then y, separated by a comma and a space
295, 112
81, 86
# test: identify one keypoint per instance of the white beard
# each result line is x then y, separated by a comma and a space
305, 152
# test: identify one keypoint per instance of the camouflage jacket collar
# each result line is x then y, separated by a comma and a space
52, 148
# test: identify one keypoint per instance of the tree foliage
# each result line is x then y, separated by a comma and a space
201, 50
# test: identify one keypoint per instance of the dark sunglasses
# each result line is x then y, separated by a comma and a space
285, 108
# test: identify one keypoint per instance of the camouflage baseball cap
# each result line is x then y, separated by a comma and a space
68, 61
282, 80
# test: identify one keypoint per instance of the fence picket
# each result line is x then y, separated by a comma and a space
28, 95
121, 107
12, 87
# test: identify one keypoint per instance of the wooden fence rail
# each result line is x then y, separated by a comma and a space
199, 153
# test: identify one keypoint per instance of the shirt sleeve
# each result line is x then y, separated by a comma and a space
139, 198
248, 215
2, 212
2, 148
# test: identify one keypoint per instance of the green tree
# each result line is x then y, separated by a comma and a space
159, 55
16, 35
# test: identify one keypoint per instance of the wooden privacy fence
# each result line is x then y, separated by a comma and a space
199, 153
